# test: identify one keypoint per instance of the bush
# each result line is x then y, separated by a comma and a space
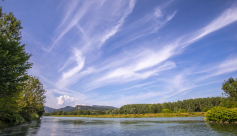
221, 114
182, 110
166, 111
205, 109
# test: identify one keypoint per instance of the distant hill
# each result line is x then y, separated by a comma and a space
67, 108
110, 107
94, 107
48, 109
79, 107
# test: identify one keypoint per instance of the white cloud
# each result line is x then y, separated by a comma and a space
65, 99
227, 66
126, 74
158, 12
171, 16
70, 20
120, 22
146, 25
93, 39
80, 60
144, 65
135, 86
226, 18
85, 70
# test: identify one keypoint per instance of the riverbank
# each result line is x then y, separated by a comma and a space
3, 125
148, 115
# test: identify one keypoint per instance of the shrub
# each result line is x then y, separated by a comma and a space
166, 111
221, 114
182, 110
205, 109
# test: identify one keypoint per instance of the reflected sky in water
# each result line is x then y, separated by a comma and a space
63, 126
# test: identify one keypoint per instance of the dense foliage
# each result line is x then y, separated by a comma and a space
21, 96
79, 107
78, 112
190, 105
230, 90
221, 115
33, 99
175, 107
13, 58
226, 113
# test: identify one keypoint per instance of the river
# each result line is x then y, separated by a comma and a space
71, 126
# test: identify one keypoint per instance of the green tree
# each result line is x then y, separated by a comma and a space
33, 99
166, 111
98, 112
80, 112
13, 59
87, 112
13, 67
205, 109
230, 89
182, 110
64, 113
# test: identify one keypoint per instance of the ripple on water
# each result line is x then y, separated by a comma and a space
62, 126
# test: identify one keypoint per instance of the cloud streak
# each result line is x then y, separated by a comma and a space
125, 51
143, 65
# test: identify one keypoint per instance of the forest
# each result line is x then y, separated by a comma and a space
190, 105
21, 95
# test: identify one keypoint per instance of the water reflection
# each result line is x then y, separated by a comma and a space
27, 129
225, 129
121, 126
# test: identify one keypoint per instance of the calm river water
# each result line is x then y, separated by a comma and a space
63, 126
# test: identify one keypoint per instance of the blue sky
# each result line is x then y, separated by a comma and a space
117, 52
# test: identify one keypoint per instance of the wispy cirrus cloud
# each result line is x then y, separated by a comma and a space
130, 69
94, 39
174, 49
226, 18
128, 51
227, 66
144, 26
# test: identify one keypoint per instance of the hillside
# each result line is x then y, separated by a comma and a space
48, 109
110, 107
93, 107
79, 107
67, 108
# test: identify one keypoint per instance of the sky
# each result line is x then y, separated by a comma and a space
118, 52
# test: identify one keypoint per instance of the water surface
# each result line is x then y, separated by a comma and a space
63, 126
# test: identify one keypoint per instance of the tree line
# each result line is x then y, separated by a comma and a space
21, 95
190, 105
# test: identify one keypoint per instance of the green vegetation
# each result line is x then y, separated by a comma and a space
77, 112
222, 115
166, 111
21, 96
190, 105
143, 110
148, 115
230, 91
227, 113
82, 107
